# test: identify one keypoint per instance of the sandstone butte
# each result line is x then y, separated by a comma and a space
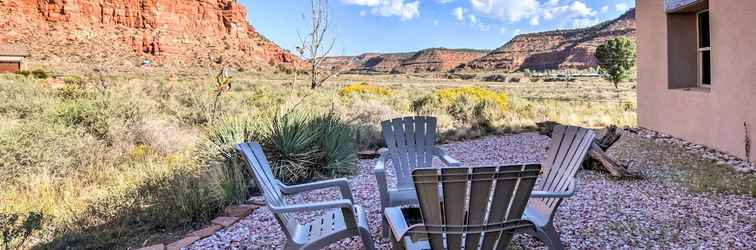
561, 49
128, 32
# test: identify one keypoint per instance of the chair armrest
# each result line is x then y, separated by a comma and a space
545, 194
343, 203
342, 183
396, 222
380, 176
448, 160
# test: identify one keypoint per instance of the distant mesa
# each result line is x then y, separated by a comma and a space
560, 49
427, 60
118, 32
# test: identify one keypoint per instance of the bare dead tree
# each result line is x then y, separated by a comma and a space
316, 44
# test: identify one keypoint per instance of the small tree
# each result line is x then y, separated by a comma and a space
316, 44
616, 59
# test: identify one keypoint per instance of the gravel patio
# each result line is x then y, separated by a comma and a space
606, 213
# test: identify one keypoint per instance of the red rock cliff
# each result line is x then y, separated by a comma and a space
572, 49
171, 32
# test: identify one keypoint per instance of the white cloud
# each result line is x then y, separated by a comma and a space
459, 14
604, 8
444, 1
435, 23
579, 8
534, 10
473, 19
511, 10
584, 22
516, 32
388, 8
363, 13
503, 30
622, 7
535, 21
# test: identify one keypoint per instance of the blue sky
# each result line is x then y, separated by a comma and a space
361, 26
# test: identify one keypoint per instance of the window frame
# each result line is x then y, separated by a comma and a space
701, 50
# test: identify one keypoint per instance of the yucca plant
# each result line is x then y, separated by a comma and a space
293, 147
219, 160
337, 145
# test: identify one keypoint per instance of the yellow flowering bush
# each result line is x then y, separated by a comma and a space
364, 88
465, 104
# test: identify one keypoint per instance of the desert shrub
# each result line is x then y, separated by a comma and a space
40, 74
23, 98
86, 114
149, 196
73, 90
73, 80
25, 73
364, 89
466, 104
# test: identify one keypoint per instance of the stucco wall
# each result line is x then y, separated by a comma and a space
712, 117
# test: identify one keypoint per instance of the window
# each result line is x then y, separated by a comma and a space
704, 49
689, 46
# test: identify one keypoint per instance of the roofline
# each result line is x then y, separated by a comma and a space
671, 8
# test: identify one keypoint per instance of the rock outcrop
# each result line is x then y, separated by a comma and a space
438, 60
428, 60
562, 49
128, 32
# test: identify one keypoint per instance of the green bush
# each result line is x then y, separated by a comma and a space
25, 73
40, 74
86, 114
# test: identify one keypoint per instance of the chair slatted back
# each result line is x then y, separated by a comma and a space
410, 143
266, 181
568, 148
472, 208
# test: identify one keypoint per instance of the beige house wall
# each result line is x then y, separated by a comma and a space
715, 116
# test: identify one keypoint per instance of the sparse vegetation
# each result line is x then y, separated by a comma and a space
124, 166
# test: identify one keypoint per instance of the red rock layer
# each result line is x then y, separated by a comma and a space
438, 60
428, 60
171, 32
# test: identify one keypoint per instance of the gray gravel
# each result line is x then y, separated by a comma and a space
605, 214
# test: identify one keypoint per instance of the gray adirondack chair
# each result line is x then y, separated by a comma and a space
410, 142
465, 208
568, 148
345, 219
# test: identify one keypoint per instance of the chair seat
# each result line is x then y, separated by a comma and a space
402, 197
330, 225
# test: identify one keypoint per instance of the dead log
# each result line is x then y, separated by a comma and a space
597, 158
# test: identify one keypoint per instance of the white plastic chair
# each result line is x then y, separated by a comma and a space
410, 143
345, 219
